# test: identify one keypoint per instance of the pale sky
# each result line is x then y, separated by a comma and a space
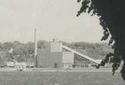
52, 18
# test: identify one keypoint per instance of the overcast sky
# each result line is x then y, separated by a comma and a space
52, 18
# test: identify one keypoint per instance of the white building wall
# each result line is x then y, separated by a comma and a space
68, 57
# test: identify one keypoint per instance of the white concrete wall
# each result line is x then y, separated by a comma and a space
68, 57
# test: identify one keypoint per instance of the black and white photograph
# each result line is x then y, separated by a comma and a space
62, 42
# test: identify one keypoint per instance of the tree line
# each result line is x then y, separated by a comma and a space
25, 51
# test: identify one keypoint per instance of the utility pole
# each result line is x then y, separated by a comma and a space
35, 48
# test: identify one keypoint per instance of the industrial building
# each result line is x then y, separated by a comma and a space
57, 55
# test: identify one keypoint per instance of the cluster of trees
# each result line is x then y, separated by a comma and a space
24, 51
94, 50
111, 15
20, 51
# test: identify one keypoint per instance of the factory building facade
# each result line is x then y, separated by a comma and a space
56, 55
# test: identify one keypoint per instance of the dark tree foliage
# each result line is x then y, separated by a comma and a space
112, 18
